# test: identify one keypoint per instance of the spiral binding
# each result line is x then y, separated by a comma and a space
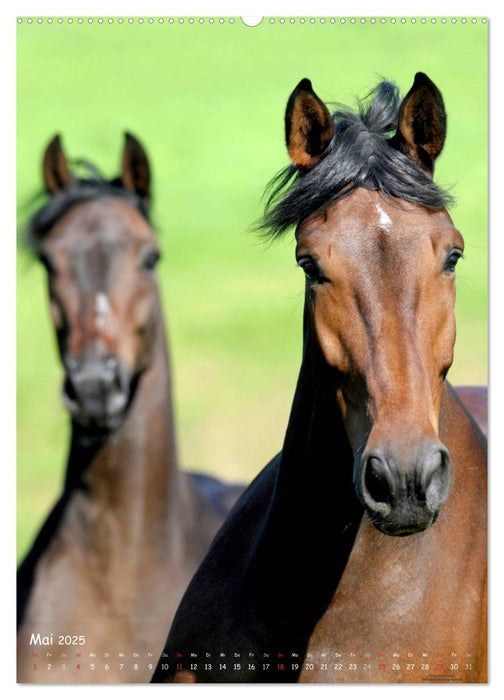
239, 20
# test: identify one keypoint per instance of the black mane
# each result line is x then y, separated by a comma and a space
359, 155
82, 190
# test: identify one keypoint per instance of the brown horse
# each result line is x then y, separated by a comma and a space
475, 399
101, 583
359, 552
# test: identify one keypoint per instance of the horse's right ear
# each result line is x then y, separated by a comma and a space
309, 127
135, 174
55, 170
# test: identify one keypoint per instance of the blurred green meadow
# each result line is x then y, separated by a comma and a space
207, 101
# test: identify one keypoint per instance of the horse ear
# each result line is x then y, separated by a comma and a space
135, 173
421, 130
55, 170
309, 127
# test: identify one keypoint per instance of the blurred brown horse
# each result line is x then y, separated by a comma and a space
475, 399
361, 548
108, 568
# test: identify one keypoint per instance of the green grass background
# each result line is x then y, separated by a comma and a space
207, 101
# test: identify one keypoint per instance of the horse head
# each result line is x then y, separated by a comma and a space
379, 252
99, 250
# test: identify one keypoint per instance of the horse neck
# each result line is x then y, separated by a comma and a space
468, 450
316, 456
132, 476
314, 512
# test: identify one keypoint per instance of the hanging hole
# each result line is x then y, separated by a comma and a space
251, 21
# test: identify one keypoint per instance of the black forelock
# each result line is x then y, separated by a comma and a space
81, 190
359, 155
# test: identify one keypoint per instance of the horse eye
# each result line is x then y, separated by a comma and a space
47, 263
150, 259
312, 271
452, 260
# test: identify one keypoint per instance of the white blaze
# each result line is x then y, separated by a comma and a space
385, 220
102, 307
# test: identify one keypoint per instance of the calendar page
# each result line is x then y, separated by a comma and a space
237, 242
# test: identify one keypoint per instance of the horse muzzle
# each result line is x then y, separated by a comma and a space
403, 497
96, 393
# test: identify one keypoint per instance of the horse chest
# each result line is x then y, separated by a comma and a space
400, 614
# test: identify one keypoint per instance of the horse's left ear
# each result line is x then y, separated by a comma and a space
421, 130
135, 174
309, 127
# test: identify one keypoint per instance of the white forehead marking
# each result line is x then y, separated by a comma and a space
102, 307
385, 220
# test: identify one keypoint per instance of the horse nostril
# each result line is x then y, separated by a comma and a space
376, 489
435, 478
69, 389
112, 377
375, 484
111, 364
